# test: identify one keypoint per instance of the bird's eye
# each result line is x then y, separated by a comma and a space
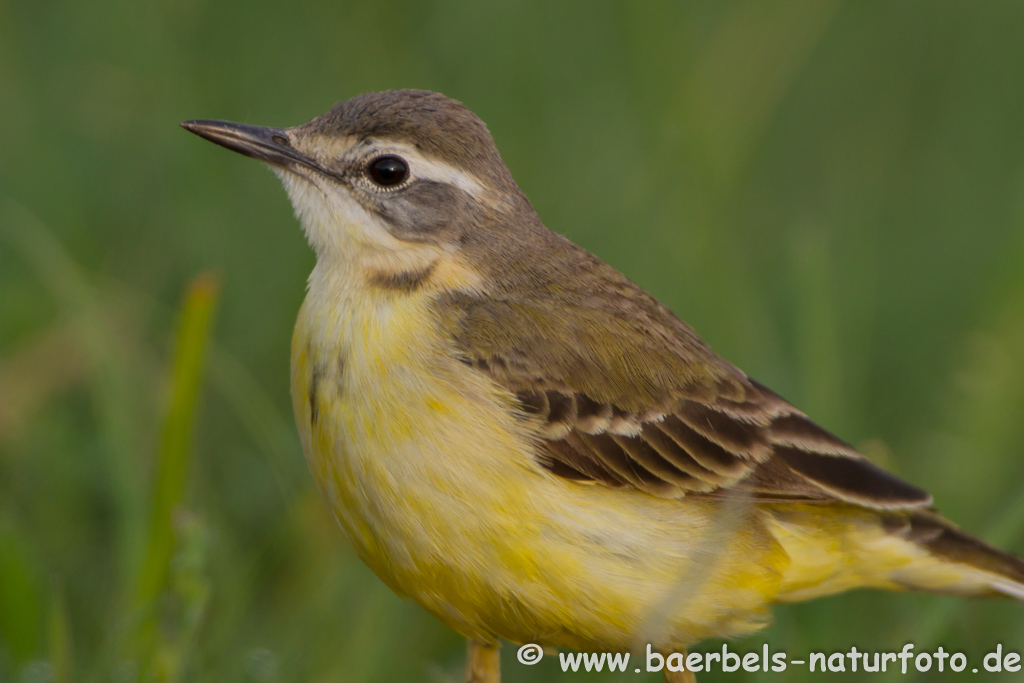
388, 171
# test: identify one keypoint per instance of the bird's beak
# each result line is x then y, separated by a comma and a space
259, 142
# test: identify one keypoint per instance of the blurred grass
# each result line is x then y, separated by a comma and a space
53, 266
173, 457
175, 444
832, 193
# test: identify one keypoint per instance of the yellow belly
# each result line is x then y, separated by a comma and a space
433, 480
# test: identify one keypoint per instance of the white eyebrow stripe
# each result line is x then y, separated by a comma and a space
431, 169
442, 172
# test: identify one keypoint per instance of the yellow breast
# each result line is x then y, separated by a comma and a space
416, 454
433, 478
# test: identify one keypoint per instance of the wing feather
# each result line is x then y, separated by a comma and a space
624, 394
790, 457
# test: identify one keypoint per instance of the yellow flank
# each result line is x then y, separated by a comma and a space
434, 481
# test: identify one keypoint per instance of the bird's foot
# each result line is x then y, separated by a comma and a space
483, 663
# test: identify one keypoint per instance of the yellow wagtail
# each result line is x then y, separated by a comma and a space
531, 447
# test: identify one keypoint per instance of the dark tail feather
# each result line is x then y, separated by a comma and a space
1002, 573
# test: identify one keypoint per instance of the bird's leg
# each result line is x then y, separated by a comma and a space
483, 664
680, 676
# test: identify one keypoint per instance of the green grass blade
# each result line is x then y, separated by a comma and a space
61, 650
191, 344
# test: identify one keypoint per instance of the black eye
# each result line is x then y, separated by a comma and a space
388, 171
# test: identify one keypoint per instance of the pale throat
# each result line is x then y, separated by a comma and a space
356, 251
349, 241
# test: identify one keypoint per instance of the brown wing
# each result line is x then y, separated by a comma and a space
626, 394
761, 448
750, 442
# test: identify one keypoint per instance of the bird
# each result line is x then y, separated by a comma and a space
527, 444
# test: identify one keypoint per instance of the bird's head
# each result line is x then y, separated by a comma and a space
395, 181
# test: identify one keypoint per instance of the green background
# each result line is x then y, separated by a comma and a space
831, 193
